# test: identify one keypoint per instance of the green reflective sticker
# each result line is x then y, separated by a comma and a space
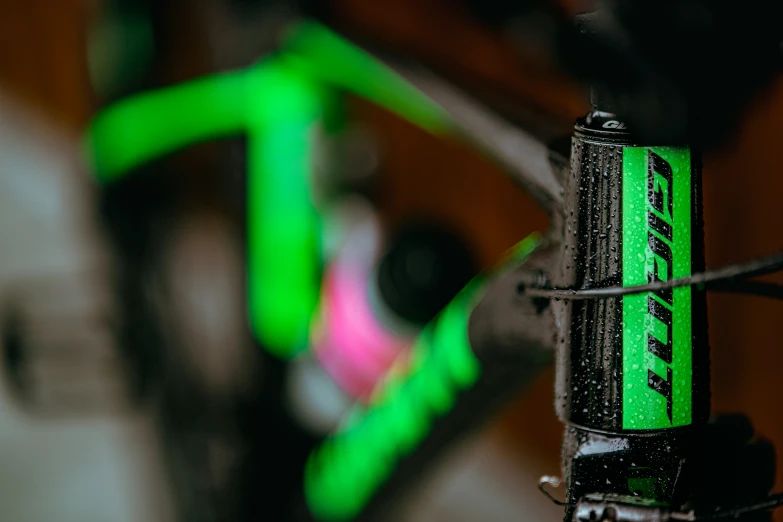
657, 368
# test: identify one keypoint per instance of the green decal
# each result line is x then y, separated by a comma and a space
645, 487
657, 367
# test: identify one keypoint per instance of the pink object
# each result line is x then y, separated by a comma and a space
354, 347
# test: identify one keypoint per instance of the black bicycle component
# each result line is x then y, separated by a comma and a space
621, 220
771, 502
315, 8
426, 267
592, 254
616, 508
677, 71
512, 338
537, 169
738, 471
509, 339
555, 482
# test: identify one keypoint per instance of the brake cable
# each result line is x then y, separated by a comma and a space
730, 278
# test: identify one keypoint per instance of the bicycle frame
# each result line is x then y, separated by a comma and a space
279, 103
632, 371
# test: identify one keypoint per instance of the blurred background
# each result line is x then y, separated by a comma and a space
132, 387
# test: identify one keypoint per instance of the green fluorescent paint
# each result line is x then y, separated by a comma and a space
283, 225
644, 408
149, 125
345, 471
324, 56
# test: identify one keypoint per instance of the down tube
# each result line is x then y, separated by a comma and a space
453, 383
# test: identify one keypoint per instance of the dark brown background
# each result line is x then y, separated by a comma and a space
42, 60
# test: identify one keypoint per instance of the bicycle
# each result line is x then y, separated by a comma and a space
617, 194
633, 415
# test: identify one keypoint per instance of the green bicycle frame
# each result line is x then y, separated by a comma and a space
279, 103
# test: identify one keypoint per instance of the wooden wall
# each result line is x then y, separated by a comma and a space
42, 57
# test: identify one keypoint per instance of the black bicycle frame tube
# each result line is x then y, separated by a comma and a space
632, 371
480, 351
